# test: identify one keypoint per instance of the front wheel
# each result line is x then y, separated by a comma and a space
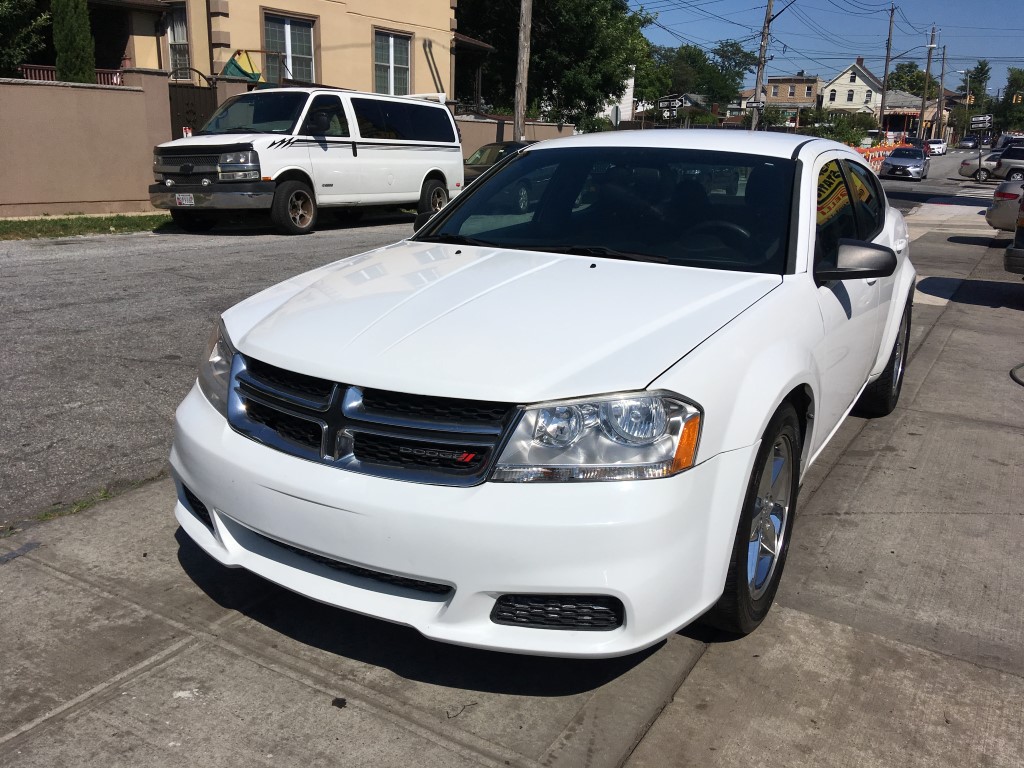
766, 522
294, 209
1016, 175
880, 397
433, 196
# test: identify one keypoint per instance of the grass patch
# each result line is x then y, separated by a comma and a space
69, 226
63, 510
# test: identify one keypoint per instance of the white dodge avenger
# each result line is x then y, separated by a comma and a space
570, 415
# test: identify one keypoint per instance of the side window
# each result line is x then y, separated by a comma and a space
379, 119
835, 219
326, 117
867, 199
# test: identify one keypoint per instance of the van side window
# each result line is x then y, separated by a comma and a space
326, 117
404, 121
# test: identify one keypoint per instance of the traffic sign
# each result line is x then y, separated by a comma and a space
981, 121
755, 104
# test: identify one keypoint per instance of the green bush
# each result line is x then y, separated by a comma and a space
72, 39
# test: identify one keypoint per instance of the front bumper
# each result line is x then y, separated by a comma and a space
228, 196
901, 172
662, 547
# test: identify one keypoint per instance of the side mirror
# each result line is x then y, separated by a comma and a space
421, 219
858, 260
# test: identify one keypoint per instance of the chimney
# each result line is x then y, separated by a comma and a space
860, 61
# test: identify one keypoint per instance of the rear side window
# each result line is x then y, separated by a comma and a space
402, 121
867, 199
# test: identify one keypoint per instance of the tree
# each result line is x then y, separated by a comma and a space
652, 76
72, 39
907, 76
21, 27
1008, 113
729, 63
581, 54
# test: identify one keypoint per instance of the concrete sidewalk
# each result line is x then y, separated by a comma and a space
897, 638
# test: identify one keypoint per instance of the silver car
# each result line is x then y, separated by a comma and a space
980, 171
1002, 214
905, 163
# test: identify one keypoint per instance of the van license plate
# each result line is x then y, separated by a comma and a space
184, 199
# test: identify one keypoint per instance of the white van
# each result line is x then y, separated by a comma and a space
293, 151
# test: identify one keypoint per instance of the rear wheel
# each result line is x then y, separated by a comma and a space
982, 174
766, 522
433, 196
192, 222
880, 397
294, 209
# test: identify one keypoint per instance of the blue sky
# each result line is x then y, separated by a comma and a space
822, 37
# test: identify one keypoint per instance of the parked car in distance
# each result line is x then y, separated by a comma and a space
914, 141
1002, 213
488, 155
905, 163
968, 142
980, 170
289, 152
1013, 258
936, 146
569, 432
1010, 165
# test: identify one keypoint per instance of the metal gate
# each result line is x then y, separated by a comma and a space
191, 106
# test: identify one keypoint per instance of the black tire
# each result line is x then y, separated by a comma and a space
294, 210
982, 174
192, 222
433, 197
880, 397
1017, 174
766, 524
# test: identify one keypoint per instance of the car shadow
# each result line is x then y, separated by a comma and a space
256, 225
990, 241
980, 293
400, 649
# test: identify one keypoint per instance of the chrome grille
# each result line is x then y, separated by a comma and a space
438, 440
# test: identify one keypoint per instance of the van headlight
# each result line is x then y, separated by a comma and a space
629, 436
239, 166
215, 369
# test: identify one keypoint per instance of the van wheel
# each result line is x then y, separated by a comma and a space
294, 209
433, 197
192, 222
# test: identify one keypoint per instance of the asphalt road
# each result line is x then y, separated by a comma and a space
101, 337
943, 182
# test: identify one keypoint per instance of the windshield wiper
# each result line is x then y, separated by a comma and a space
453, 240
608, 253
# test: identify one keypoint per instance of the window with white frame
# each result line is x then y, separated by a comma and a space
391, 63
849, 95
792, 90
177, 40
808, 92
289, 43
867, 97
853, 77
832, 95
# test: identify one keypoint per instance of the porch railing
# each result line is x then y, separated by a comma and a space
48, 73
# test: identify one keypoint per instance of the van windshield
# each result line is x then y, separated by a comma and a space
257, 113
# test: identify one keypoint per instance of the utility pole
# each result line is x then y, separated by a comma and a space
940, 112
927, 78
522, 69
762, 57
885, 73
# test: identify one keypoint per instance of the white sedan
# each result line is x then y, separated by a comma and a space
937, 146
570, 430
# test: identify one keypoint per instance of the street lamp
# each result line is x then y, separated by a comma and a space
885, 77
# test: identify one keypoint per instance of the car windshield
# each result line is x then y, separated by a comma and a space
936, 141
913, 154
488, 154
257, 113
685, 207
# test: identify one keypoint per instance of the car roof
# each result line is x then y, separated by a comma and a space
765, 144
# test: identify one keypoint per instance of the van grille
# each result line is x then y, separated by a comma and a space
438, 440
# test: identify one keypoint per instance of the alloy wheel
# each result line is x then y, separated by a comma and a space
771, 513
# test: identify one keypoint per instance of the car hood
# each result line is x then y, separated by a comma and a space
487, 323
908, 162
220, 140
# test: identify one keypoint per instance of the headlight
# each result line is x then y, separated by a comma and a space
215, 369
631, 436
248, 157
